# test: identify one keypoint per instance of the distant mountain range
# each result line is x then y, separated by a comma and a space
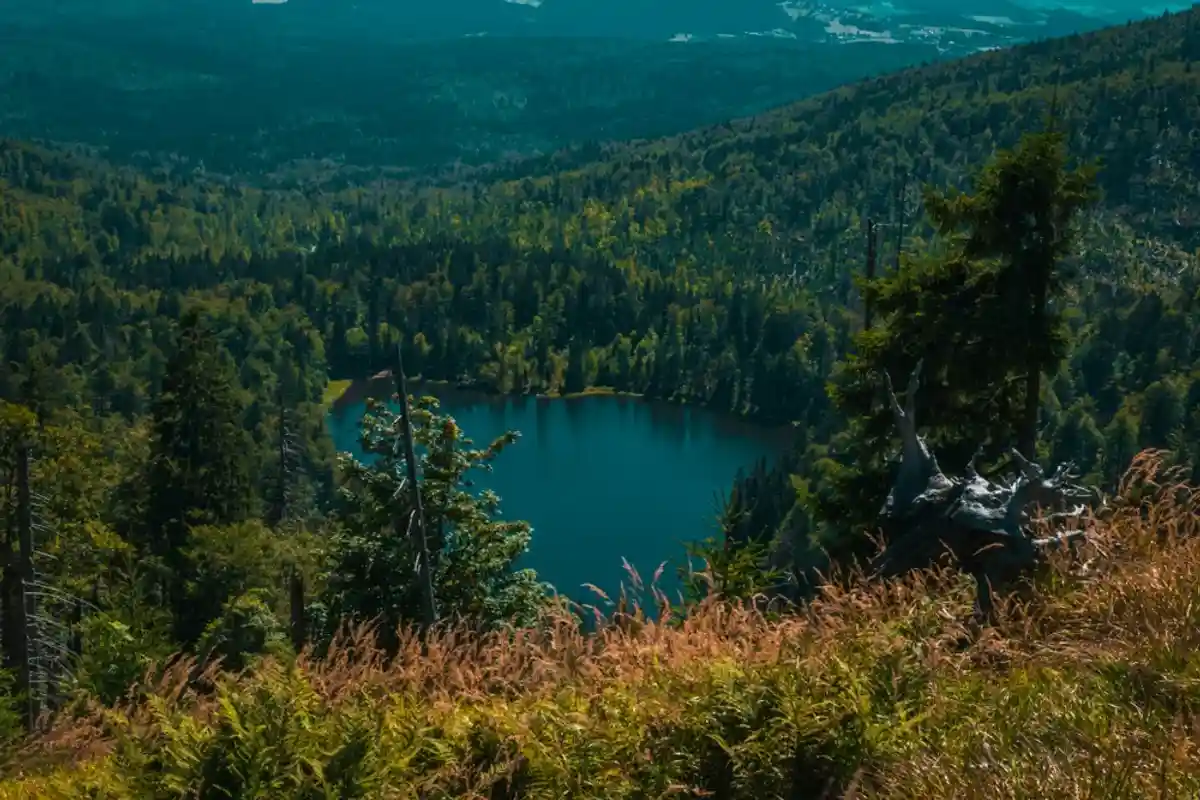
955, 26
244, 87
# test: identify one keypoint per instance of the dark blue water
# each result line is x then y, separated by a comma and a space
601, 478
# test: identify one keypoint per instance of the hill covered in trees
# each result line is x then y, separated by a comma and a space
168, 338
715, 266
276, 95
778, 198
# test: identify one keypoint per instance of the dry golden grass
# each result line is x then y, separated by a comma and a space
1087, 687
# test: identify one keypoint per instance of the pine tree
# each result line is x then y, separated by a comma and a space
17, 426
1022, 215
199, 471
374, 573
976, 309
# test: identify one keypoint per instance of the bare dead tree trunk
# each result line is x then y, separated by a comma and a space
281, 501
428, 602
283, 512
868, 310
11, 629
24, 576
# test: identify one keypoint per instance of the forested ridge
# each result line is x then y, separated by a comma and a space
706, 214
283, 98
715, 266
168, 339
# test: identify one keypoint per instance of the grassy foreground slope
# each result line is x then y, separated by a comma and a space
1087, 689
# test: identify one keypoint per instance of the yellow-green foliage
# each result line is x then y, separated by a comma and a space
333, 392
1085, 688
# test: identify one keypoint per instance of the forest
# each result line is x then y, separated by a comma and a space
281, 104
201, 598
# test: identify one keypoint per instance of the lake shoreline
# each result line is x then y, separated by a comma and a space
340, 393
653, 476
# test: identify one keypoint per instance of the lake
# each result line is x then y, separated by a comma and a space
599, 477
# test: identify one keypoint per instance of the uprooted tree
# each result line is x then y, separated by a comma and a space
983, 526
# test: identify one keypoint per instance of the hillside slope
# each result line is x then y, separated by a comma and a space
240, 96
951, 25
781, 186
1129, 95
1087, 690
712, 267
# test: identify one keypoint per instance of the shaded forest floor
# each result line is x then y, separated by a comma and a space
1088, 686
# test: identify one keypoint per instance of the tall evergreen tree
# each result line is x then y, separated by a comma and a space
199, 471
1021, 215
374, 569
976, 307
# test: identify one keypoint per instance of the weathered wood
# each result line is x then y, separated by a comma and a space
283, 514
428, 601
982, 526
919, 470
26, 609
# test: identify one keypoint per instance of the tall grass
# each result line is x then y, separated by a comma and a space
1086, 687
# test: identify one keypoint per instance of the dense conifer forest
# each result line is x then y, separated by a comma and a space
186, 556
228, 92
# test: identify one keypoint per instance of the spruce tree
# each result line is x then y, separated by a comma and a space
373, 574
199, 471
977, 308
1021, 216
